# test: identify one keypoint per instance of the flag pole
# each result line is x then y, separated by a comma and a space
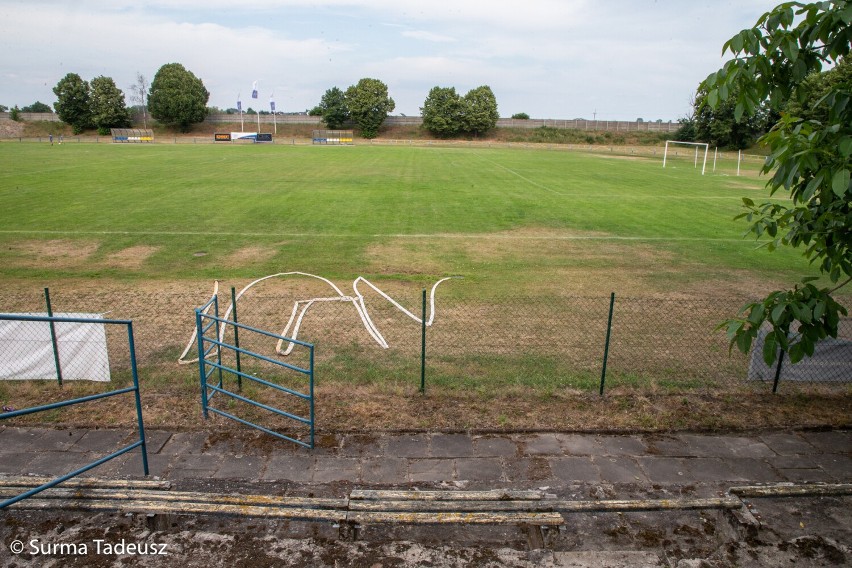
240, 108
272, 108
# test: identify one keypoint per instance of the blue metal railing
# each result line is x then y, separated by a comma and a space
210, 349
134, 389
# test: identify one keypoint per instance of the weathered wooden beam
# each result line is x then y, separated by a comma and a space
181, 508
186, 496
729, 502
32, 481
490, 495
436, 518
788, 490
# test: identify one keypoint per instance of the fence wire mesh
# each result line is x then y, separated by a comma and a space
657, 345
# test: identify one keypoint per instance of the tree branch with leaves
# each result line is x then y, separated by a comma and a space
810, 159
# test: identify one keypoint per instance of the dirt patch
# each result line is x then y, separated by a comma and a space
249, 255
10, 128
59, 253
132, 258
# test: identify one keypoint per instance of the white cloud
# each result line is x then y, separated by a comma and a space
428, 36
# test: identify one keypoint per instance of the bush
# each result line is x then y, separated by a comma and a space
521, 116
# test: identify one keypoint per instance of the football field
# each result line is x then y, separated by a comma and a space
512, 219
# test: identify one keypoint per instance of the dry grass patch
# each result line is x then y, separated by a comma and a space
247, 256
59, 253
131, 258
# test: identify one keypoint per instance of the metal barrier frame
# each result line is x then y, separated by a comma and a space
134, 389
215, 344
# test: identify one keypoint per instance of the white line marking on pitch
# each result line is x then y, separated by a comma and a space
376, 235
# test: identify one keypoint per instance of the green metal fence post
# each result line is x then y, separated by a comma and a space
778, 372
606, 345
423, 346
53, 339
236, 338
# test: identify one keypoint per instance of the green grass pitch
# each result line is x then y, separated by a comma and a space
506, 218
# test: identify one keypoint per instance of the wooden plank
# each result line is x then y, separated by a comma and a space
186, 496
792, 490
728, 502
408, 518
452, 506
491, 495
31, 482
181, 508
548, 505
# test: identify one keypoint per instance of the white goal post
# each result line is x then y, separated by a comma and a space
696, 144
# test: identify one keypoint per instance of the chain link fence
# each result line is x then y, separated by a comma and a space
657, 346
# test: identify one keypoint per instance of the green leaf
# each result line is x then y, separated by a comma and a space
713, 98
840, 182
770, 348
845, 145
777, 313
744, 342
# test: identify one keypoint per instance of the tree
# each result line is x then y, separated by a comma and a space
177, 97
15, 114
480, 113
72, 105
443, 111
720, 127
3, 108
810, 159
815, 87
37, 106
139, 97
521, 116
332, 108
369, 104
107, 104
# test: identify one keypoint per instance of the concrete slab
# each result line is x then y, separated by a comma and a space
479, 469
788, 444
670, 446
838, 466
664, 469
59, 463
493, 446
290, 468
156, 439
104, 441
185, 443
384, 470
130, 465
710, 469
408, 446
542, 444
574, 469
619, 469
527, 469
806, 475
431, 469
17, 439
241, 467
57, 440
835, 441
328, 469
622, 446
451, 446
752, 470
15, 463
195, 466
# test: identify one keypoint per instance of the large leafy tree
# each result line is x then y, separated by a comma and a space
108, 107
333, 109
369, 104
37, 106
177, 97
72, 105
720, 127
480, 112
443, 111
810, 159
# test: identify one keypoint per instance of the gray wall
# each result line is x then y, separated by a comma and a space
577, 124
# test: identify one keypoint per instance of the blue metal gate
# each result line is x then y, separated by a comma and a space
219, 361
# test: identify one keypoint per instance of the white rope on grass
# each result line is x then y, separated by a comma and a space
301, 307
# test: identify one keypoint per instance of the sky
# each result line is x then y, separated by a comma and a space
603, 59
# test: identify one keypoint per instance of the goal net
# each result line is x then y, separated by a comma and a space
678, 152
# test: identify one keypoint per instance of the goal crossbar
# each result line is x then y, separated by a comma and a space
696, 144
